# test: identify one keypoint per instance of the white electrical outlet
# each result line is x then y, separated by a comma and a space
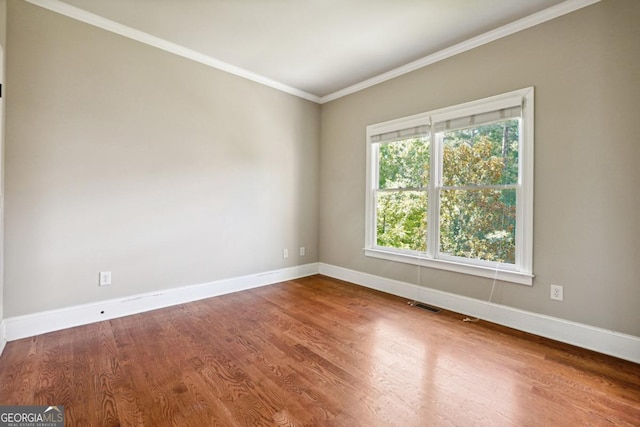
302, 252
557, 292
105, 278
285, 253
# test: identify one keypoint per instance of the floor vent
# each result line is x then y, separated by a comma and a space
424, 306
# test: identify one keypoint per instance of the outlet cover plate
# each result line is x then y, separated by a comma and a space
557, 292
105, 278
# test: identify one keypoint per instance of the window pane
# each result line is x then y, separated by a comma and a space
401, 218
482, 155
479, 224
404, 164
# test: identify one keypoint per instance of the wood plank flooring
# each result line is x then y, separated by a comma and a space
314, 352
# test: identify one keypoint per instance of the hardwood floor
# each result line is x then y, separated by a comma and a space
314, 352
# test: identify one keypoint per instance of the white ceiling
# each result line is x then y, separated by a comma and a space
318, 47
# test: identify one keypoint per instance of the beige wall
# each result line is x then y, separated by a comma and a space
3, 21
125, 158
3, 28
585, 67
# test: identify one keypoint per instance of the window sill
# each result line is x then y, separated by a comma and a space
474, 270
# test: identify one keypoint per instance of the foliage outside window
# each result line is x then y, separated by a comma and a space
453, 188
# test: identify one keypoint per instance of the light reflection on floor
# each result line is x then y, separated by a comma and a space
425, 384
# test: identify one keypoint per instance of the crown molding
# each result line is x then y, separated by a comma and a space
488, 37
140, 36
151, 40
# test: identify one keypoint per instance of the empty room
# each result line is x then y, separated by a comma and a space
320, 213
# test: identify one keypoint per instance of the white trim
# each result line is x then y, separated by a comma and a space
3, 336
524, 237
48, 321
601, 340
597, 339
151, 40
521, 271
488, 37
123, 30
458, 267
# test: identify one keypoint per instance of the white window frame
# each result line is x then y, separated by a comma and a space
521, 271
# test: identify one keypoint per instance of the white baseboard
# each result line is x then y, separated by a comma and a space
601, 340
48, 321
3, 336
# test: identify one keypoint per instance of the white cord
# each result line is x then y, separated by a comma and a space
415, 301
493, 288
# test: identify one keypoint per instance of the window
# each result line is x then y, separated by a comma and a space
453, 188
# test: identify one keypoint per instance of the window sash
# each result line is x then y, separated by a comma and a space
517, 104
